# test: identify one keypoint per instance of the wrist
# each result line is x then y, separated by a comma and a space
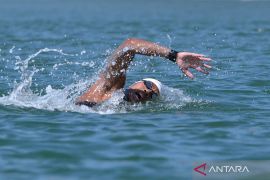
172, 55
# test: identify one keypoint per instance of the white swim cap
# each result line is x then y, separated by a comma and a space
156, 82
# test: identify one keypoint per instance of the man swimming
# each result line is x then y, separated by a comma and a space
114, 76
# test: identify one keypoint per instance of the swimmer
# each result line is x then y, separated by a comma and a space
113, 77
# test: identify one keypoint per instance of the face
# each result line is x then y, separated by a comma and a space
141, 91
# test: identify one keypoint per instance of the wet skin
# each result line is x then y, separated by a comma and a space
113, 77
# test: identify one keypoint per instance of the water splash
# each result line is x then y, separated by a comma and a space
170, 40
11, 50
63, 99
24, 64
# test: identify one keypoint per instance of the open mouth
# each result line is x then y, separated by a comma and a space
138, 95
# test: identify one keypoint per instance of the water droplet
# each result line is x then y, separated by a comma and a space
83, 52
125, 49
11, 50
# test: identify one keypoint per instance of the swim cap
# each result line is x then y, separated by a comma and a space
156, 82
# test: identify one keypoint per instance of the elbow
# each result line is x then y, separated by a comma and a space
130, 41
128, 45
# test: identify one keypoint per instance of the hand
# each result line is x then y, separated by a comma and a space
186, 60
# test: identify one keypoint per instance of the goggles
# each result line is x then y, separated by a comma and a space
149, 86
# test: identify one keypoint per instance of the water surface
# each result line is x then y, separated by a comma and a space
51, 51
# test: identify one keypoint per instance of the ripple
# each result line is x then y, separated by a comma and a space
222, 116
259, 83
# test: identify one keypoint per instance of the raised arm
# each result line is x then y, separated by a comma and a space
119, 61
114, 75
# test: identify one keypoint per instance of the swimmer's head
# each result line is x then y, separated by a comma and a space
144, 90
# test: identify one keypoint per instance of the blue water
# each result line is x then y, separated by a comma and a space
51, 51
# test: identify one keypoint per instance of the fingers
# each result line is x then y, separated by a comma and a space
201, 70
191, 76
201, 57
207, 66
198, 55
205, 58
188, 73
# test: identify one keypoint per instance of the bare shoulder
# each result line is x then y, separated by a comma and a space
101, 90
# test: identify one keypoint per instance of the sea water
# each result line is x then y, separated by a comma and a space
52, 51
